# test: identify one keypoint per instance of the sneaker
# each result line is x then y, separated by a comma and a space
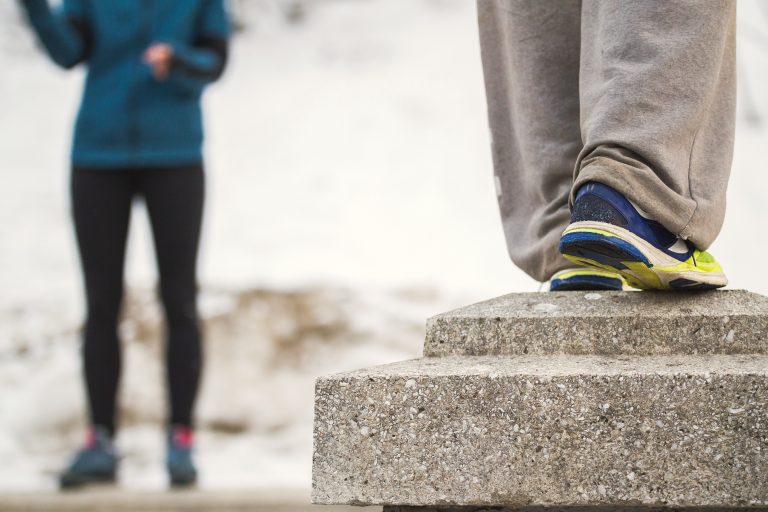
96, 462
578, 279
181, 468
609, 232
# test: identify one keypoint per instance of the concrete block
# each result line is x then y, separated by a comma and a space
604, 323
546, 431
628, 508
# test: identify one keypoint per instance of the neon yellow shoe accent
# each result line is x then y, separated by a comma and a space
637, 274
660, 271
575, 272
702, 261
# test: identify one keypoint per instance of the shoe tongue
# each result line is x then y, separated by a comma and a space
182, 437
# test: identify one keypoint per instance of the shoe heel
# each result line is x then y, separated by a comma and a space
602, 250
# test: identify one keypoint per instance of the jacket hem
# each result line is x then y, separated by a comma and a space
117, 160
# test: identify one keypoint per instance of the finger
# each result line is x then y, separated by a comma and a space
161, 51
157, 52
165, 49
150, 56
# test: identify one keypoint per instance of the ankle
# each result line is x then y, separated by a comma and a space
182, 436
98, 435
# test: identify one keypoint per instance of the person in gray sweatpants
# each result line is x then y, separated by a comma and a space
638, 96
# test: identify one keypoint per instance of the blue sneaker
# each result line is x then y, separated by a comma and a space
582, 279
181, 468
609, 232
94, 463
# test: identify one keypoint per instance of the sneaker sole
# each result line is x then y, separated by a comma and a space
182, 482
72, 483
609, 247
584, 287
585, 279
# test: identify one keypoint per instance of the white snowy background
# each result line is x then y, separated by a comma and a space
350, 197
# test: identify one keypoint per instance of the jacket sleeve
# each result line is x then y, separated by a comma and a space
64, 33
196, 65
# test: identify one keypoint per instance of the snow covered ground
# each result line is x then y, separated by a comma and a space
350, 197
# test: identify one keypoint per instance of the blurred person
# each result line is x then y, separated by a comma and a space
612, 129
138, 133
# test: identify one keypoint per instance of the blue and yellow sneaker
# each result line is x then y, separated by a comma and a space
582, 279
94, 463
609, 232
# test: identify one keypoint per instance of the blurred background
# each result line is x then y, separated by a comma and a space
350, 197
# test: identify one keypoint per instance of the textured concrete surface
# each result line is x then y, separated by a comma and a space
114, 499
609, 323
563, 430
573, 509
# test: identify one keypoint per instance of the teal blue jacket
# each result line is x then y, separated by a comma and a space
127, 118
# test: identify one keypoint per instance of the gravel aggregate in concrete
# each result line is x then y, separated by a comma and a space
659, 431
608, 323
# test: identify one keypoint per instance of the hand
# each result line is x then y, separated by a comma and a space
159, 57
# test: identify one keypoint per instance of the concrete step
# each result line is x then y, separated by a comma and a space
570, 509
609, 323
554, 430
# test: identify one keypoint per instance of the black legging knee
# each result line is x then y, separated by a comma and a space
101, 204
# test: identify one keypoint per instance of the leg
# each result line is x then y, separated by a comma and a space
657, 108
174, 199
101, 206
530, 53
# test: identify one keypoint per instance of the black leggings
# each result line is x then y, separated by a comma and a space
101, 204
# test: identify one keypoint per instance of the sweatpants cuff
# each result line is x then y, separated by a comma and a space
673, 210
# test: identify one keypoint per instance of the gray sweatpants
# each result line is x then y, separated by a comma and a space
636, 94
